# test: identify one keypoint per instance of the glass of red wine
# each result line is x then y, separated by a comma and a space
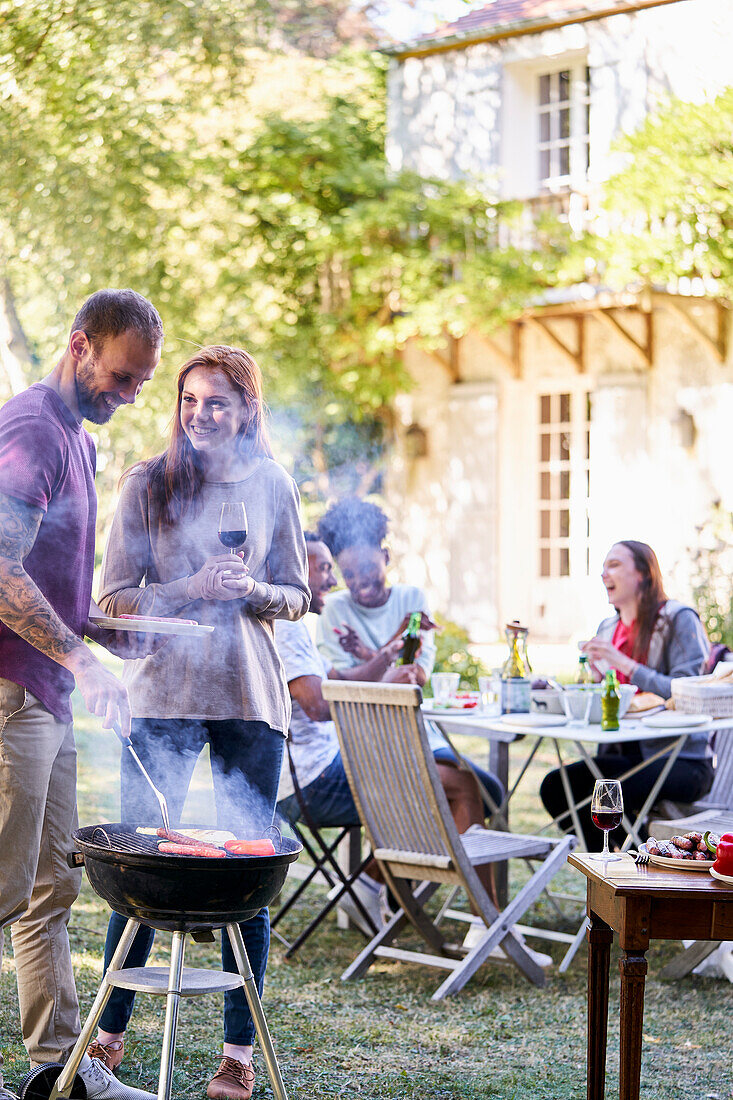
233, 525
607, 811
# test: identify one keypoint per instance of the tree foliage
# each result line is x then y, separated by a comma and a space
670, 210
140, 154
346, 261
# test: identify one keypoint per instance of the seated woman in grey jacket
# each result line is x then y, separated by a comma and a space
649, 640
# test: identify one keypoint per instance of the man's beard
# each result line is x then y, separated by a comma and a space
92, 405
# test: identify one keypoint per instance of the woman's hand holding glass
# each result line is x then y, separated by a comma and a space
223, 577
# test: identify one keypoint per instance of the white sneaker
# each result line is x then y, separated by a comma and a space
476, 931
474, 934
101, 1083
372, 896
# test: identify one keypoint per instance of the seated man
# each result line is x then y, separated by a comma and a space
314, 745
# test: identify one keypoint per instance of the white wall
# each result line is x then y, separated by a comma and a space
465, 516
469, 112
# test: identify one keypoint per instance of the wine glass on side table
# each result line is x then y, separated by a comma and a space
607, 811
233, 525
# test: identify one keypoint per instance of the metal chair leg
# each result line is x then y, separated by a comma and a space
255, 1007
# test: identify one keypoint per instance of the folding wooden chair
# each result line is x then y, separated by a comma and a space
323, 854
713, 812
407, 819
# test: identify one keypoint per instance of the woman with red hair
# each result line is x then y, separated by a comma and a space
649, 640
227, 690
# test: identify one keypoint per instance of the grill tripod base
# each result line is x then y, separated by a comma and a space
179, 983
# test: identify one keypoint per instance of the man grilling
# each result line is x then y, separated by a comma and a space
47, 521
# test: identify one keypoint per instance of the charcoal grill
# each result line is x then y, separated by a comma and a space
179, 893
182, 895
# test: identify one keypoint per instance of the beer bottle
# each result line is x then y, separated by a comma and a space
584, 673
610, 698
410, 640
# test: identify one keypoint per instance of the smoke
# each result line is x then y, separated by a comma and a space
170, 750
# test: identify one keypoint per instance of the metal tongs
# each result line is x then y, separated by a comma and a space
127, 743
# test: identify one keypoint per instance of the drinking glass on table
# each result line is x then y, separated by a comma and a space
577, 703
233, 525
444, 684
490, 688
607, 811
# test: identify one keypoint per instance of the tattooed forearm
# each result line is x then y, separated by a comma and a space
23, 607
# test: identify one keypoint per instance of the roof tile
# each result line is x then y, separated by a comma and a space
500, 12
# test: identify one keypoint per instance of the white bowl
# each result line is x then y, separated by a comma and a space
626, 694
547, 701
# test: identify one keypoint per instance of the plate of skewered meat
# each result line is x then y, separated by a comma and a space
687, 852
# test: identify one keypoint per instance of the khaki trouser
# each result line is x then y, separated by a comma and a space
37, 888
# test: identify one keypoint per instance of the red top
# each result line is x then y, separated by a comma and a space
623, 639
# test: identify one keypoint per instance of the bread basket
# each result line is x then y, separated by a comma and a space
703, 695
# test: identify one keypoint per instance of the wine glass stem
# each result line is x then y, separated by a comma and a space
606, 851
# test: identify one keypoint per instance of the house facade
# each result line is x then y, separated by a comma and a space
601, 414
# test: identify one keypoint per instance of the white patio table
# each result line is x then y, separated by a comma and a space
571, 741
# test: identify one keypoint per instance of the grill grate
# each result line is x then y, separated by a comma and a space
124, 840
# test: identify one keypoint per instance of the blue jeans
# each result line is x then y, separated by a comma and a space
245, 765
329, 801
493, 785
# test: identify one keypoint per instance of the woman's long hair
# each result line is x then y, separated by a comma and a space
176, 477
650, 597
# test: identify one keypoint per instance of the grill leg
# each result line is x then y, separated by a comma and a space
173, 1000
255, 1007
65, 1079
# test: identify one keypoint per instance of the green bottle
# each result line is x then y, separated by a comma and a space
610, 698
410, 640
584, 673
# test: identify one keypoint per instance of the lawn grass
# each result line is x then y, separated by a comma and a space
382, 1036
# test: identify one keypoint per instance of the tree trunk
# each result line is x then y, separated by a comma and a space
15, 353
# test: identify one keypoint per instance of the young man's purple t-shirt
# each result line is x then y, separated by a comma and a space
48, 460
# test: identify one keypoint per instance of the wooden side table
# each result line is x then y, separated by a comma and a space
640, 903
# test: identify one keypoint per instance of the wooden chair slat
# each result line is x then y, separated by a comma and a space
405, 812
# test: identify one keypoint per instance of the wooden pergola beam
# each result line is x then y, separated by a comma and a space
518, 348
717, 344
723, 328
646, 350
566, 310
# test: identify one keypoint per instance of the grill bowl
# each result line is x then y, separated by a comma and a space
180, 893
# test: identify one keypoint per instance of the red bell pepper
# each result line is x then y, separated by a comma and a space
250, 847
724, 863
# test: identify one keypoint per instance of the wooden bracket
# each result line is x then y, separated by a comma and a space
576, 355
496, 349
718, 343
450, 358
608, 318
